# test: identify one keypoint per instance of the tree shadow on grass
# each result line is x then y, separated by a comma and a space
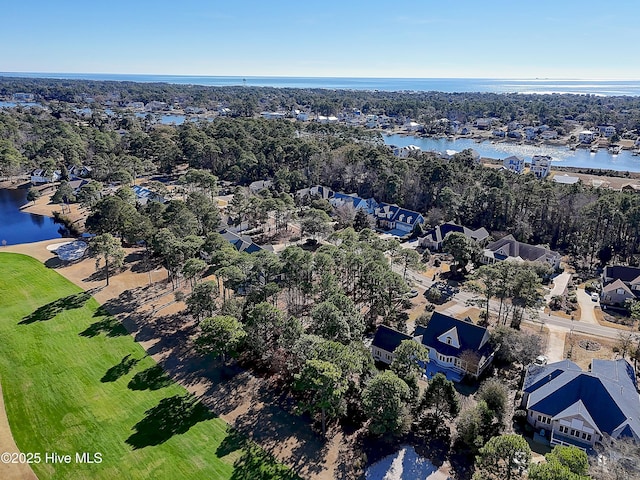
110, 326
153, 378
50, 310
254, 463
172, 416
122, 368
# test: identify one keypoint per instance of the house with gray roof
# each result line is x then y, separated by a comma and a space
572, 407
619, 284
434, 237
385, 342
508, 248
242, 243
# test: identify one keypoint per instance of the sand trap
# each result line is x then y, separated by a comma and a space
54, 246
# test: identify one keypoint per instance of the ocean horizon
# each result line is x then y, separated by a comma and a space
446, 85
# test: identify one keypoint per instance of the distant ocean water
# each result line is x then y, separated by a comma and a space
449, 85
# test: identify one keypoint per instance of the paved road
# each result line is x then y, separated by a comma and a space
463, 297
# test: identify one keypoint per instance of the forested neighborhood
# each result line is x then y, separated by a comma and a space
388, 300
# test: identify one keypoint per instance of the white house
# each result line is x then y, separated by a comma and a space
586, 136
40, 175
406, 151
541, 165
514, 164
607, 130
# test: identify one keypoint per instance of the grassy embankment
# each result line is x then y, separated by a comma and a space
75, 381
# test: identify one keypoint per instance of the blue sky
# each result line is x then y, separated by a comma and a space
349, 38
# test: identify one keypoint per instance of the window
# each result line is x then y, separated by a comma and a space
448, 340
589, 437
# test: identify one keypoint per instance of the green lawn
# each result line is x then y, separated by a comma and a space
75, 381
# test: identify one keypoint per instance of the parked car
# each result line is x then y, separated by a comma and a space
595, 297
540, 360
412, 294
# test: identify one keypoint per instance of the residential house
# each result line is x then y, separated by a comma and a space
572, 407
318, 191
406, 151
456, 347
549, 134
273, 115
413, 127
508, 248
484, 123
79, 171
242, 243
530, 133
144, 195
434, 237
515, 135
40, 175
397, 220
514, 164
619, 284
367, 204
23, 97
586, 137
385, 342
631, 188
607, 130
541, 165
324, 119
259, 185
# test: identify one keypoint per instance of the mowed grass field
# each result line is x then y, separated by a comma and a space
74, 381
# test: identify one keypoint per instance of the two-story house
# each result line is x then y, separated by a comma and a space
569, 406
619, 284
433, 238
397, 220
514, 164
540, 165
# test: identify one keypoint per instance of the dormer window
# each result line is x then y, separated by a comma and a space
448, 340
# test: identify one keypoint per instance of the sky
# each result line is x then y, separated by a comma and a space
585, 39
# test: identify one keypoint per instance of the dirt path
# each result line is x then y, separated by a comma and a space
249, 403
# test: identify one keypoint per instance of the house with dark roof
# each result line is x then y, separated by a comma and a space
619, 284
242, 243
144, 195
456, 345
396, 220
385, 342
341, 199
434, 237
508, 248
572, 407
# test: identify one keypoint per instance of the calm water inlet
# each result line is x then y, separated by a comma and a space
19, 227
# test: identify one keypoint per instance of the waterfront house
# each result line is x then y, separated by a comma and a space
541, 165
514, 164
499, 133
406, 151
619, 284
586, 137
607, 130
397, 220
515, 135
456, 347
530, 133
508, 248
433, 238
571, 407
549, 135
483, 123
40, 175
413, 127
273, 115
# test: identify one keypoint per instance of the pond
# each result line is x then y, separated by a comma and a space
405, 464
20, 227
